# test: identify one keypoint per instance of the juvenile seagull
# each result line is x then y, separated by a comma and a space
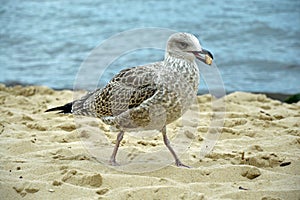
147, 97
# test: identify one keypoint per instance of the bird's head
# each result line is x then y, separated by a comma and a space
186, 46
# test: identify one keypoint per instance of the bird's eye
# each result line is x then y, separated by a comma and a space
182, 45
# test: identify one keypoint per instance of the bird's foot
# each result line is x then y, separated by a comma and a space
180, 164
113, 163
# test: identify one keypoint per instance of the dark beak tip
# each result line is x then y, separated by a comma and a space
204, 51
210, 54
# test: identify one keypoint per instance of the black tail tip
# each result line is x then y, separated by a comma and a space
67, 108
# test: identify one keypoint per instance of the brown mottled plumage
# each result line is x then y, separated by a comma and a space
148, 97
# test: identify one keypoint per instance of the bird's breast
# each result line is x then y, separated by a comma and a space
178, 90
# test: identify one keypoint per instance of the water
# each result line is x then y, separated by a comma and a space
256, 44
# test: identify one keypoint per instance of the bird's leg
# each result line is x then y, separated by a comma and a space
167, 143
112, 160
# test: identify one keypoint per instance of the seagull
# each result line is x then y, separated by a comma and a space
147, 97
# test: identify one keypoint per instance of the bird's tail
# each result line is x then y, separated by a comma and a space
81, 106
67, 108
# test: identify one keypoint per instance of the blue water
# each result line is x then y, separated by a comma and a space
256, 44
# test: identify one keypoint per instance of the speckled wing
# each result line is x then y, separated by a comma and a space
125, 91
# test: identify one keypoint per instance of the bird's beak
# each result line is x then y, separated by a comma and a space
204, 56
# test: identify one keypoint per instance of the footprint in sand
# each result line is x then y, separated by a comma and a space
82, 179
25, 188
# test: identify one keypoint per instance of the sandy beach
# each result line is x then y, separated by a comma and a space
42, 156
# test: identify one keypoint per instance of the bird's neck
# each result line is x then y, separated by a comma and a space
183, 72
182, 68
178, 62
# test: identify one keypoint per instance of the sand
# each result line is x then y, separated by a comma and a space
42, 155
